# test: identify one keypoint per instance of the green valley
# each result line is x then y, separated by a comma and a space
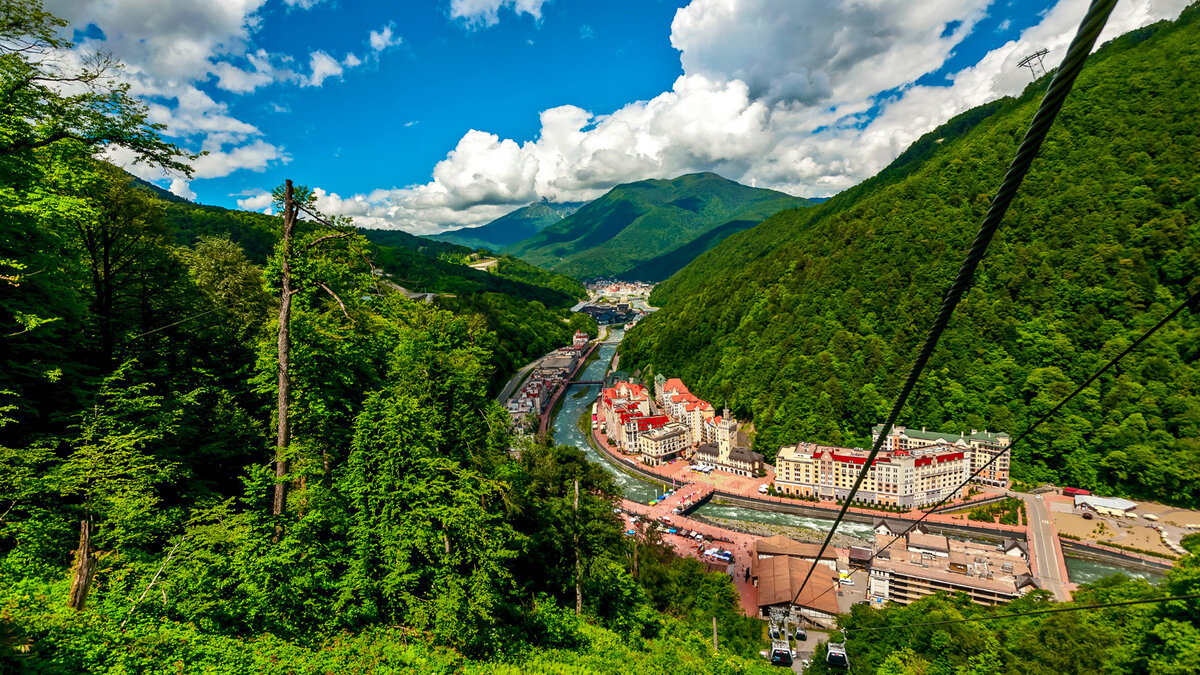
650, 227
510, 228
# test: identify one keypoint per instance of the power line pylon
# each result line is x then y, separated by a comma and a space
1034, 62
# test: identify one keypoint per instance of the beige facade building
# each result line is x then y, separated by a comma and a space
727, 453
981, 445
901, 478
663, 444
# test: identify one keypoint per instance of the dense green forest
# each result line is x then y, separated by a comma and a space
512, 227
139, 394
524, 305
808, 322
629, 231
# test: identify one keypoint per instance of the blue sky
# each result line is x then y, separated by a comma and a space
429, 115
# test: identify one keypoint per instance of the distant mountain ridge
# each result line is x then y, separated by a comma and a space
651, 228
511, 228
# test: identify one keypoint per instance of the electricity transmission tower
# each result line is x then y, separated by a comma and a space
1034, 62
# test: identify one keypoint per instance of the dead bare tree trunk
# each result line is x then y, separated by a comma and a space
85, 567
635, 558
578, 578
283, 436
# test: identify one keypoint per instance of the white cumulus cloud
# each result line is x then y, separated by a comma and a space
181, 188
322, 66
774, 93
487, 12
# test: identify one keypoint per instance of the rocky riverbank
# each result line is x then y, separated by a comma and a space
765, 530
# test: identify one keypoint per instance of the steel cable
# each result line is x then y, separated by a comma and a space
1089, 30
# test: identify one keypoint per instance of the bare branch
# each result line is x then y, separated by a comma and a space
152, 582
335, 297
318, 240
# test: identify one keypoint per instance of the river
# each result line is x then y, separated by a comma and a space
566, 432
1081, 571
566, 428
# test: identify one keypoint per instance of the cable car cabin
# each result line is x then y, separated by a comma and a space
780, 655
835, 655
801, 635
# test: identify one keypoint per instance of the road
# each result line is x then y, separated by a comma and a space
1045, 546
516, 379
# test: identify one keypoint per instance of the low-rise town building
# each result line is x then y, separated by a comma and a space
552, 372
779, 580
900, 478
779, 545
663, 444
922, 564
981, 446
729, 453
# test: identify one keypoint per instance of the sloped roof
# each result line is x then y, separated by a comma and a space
781, 545
780, 577
1009, 544
896, 526
932, 542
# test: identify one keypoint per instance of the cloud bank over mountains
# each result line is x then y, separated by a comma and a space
808, 98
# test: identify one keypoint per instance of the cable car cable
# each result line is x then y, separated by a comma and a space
1081, 45
1193, 300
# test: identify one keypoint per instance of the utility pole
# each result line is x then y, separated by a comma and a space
283, 431
1034, 62
714, 633
578, 580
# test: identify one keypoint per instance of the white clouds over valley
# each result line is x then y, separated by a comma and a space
773, 95
487, 12
805, 97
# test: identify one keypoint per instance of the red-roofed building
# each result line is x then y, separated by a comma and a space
906, 478
619, 404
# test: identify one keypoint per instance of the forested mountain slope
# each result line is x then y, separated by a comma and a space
188, 486
636, 223
510, 228
526, 306
808, 322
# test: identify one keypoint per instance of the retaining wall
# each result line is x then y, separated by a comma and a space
1079, 549
979, 531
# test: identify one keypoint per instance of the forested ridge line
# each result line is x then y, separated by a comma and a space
145, 404
807, 322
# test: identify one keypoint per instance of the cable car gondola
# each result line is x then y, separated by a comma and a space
781, 653
835, 655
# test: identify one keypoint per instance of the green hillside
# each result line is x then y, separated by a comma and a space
510, 228
525, 306
636, 223
808, 322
